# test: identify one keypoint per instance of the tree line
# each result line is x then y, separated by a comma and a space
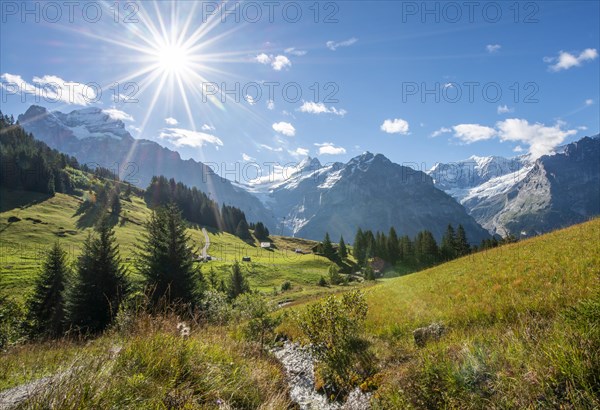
197, 207
405, 253
87, 297
31, 165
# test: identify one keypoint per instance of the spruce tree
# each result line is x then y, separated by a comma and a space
166, 261
407, 252
327, 247
116, 205
462, 245
46, 306
242, 230
448, 247
342, 250
100, 284
237, 282
393, 247
426, 249
359, 247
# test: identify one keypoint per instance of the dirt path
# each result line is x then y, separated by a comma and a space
206, 244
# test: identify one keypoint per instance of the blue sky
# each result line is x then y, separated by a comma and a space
372, 63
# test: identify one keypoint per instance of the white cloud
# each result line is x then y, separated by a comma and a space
565, 60
268, 147
271, 105
320, 108
518, 148
473, 132
448, 85
540, 138
117, 114
248, 158
504, 109
329, 148
285, 128
441, 131
395, 126
299, 152
589, 101
493, 48
250, 100
582, 128
171, 121
262, 58
182, 137
51, 88
294, 52
278, 62
206, 127
334, 45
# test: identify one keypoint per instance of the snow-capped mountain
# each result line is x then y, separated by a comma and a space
95, 138
525, 197
369, 191
503, 195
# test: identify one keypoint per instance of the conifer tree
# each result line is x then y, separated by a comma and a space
448, 247
242, 230
359, 247
393, 245
166, 260
116, 205
100, 284
462, 245
342, 250
327, 247
46, 306
237, 282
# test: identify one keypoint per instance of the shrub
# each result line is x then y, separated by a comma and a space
334, 328
258, 311
334, 275
287, 285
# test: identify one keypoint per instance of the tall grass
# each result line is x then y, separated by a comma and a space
523, 326
149, 364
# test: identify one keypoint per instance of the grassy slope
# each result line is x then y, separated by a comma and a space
23, 245
511, 341
146, 364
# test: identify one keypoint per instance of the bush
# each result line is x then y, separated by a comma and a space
334, 328
287, 285
257, 310
334, 275
12, 316
322, 282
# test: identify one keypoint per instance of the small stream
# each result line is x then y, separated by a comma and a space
299, 367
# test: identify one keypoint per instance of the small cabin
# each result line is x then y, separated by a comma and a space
265, 245
246, 259
298, 250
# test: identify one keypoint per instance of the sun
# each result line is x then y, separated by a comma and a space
173, 58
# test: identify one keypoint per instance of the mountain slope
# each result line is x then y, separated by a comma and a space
93, 137
369, 192
523, 197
